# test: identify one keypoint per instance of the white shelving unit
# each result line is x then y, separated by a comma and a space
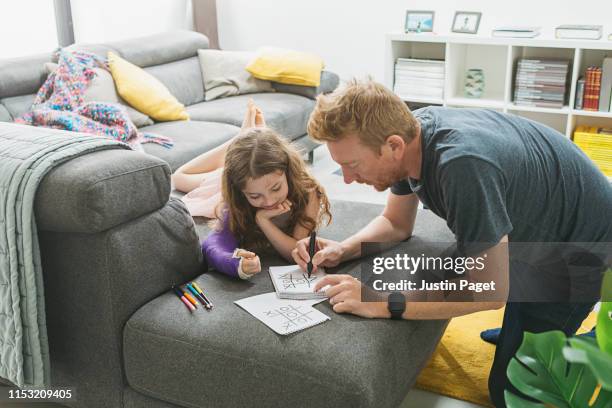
498, 57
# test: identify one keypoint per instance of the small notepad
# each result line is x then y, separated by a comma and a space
291, 282
282, 315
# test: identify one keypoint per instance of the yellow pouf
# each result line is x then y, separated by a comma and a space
459, 368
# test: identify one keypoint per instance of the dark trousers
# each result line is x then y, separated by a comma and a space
534, 318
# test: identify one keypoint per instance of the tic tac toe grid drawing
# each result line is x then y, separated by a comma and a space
290, 282
282, 315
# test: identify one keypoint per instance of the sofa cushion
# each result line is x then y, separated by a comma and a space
190, 138
161, 48
208, 358
20, 76
183, 78
287, 114
329, 82
287, 66
143, 91
101, 50
225, 74
5, 115
97, 191
18, 105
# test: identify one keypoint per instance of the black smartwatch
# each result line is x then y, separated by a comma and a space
396, 303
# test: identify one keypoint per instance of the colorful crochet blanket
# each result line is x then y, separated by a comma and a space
59, 104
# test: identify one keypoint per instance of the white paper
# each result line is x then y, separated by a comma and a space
282, 315
291, 282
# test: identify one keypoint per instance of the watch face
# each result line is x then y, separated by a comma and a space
396, 305
396, 298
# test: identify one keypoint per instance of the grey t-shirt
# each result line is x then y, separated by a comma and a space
490, 174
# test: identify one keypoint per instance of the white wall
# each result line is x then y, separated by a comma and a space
112, 20
349, 34
26, 27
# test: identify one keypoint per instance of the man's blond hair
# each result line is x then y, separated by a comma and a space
364, 108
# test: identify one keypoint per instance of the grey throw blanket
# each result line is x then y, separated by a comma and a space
26, 155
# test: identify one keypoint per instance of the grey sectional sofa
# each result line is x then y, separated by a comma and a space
113, 242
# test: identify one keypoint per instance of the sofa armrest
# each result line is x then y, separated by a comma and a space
95, 282
329, 82
99, 190
110, 241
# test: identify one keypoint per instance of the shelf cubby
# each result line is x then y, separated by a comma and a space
588, 57
490, 58
588, 120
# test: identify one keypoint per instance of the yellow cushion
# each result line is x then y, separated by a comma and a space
287, 67
143, 91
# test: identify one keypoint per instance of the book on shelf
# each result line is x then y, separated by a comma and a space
538, 104
536, 62
596, 142
419, 78
419, 74
516, 31
541, 82
579, 93
535, 96
588, 84
420, 61
588, 88
416, 64
596, 87
526, 81
579, 32
592, 89
411, 93
606, 85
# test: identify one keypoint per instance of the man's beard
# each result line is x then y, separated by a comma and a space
388, 182
381, 187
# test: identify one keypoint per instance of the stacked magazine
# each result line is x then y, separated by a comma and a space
417, 79
541, 82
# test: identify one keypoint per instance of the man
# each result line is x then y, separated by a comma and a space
494, 178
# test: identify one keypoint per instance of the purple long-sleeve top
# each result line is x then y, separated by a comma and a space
219, 247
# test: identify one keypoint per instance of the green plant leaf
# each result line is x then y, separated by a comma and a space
540, 371
604, 317
513, 401
585, 351
604, 326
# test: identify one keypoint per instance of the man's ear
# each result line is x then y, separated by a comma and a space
397, 144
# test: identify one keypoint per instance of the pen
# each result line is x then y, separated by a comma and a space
190, 298
179, 293
195, 285
197, 295
311, 251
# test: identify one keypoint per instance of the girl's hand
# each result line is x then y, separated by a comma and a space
282, 208
250, 263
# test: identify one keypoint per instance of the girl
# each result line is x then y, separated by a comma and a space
269, 200
200, 178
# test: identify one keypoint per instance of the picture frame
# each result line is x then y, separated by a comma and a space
466, 22
419, 21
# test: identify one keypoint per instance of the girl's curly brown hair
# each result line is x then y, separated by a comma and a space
256, 153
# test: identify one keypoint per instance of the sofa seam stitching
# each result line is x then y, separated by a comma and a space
125, 173
113, 316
